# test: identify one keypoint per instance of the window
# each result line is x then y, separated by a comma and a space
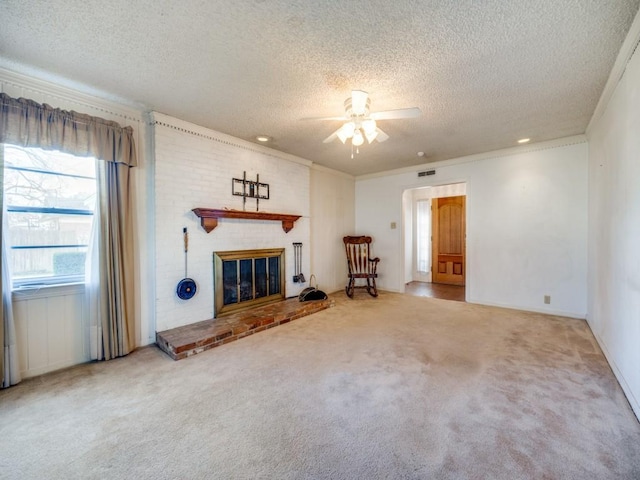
50, 198
423, 236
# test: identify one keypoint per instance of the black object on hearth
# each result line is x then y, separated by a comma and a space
311, 292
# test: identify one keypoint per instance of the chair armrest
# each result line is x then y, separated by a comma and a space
373, 262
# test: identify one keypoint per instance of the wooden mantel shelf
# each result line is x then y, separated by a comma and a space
209, 217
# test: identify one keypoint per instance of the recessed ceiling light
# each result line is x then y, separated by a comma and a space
524, 140
263, 138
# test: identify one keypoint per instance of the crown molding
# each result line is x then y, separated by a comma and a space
629, 47
531, 147
162, 119
22, 81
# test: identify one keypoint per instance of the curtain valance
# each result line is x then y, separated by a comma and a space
27, 123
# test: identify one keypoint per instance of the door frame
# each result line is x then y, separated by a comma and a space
409, 190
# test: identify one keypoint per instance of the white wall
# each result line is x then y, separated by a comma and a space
51, 329
194, 167
332, 217
614, 230
526, 224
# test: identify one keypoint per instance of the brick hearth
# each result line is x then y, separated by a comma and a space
182, 342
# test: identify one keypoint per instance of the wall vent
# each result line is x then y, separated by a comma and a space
426, 173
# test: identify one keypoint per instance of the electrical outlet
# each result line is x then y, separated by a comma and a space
393, 225
295, 279
547, 299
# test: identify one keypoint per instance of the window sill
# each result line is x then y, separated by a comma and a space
44, 291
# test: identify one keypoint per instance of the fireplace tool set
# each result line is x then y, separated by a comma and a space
298, 276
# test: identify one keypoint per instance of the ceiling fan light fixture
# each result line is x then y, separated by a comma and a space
369, 126
371, 136
360, 123
346, 131
357, 139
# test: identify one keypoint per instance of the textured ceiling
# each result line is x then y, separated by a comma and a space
484, 73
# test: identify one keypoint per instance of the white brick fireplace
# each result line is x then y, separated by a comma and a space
194, 169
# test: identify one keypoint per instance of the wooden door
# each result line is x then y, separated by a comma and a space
448, 240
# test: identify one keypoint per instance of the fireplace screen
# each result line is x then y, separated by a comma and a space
245, 278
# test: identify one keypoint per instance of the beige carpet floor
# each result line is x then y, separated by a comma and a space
398, 387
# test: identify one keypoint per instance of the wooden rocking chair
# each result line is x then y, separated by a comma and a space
361, 265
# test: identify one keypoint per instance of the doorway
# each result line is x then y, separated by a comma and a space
436, 290
448, 240
435, 241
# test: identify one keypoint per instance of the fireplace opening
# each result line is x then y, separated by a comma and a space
247, 278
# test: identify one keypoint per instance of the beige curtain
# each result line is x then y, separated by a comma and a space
30, 124
9, 364
116, 304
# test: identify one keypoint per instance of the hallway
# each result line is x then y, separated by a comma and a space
435, 290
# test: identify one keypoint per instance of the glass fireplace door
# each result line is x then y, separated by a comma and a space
246, 278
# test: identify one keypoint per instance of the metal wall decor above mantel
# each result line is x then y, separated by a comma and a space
209, 217
249, 189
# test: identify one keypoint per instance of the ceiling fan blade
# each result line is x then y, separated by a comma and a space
382, 137
342, 118
332, 137
359, 102
399, 113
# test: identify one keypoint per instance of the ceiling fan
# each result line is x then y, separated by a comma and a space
360, 122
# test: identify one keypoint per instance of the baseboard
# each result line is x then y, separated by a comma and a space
558, 313
633, 401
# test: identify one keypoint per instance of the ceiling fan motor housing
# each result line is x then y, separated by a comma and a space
358, 104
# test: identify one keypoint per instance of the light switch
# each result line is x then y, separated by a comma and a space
393, 225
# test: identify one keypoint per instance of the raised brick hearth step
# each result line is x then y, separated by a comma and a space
182, 342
